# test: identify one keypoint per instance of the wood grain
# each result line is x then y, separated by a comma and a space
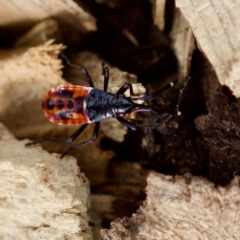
41, 196
216, 26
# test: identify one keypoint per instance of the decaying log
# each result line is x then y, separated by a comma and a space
41, 196
182, 208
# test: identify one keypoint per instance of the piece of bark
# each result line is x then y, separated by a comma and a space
220, 128
101, 209
123, 194
216, 25
42, 196
181, 35
222, 138
40, 33
183, 44
158, 13
25, 79
182, 208
21, 15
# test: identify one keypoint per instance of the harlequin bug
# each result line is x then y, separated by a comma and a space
74, 105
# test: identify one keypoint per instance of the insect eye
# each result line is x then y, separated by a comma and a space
50, 104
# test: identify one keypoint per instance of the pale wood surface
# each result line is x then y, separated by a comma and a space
24, 13
181, 35
183, 44
158, 13
28, 77
182, 208
216, 26
41, 196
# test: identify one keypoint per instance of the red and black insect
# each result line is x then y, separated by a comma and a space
73, 104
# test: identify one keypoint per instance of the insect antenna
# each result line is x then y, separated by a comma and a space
66, 61
181, 96
143, 108
153, 95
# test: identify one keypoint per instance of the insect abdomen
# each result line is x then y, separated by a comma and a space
66, 104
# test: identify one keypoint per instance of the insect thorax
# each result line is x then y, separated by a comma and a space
104, 105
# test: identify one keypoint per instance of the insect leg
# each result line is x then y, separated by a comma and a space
70, 139
105, 74
150, 96
87, 76
142, 109
124, 88
64, 59
126, 123
84, 70
165, 87
94, 137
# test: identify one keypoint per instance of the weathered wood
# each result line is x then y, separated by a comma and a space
25, 79
183, 44
41, 196
182, 38
216, 26
22, 14
182, 208
158, 13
